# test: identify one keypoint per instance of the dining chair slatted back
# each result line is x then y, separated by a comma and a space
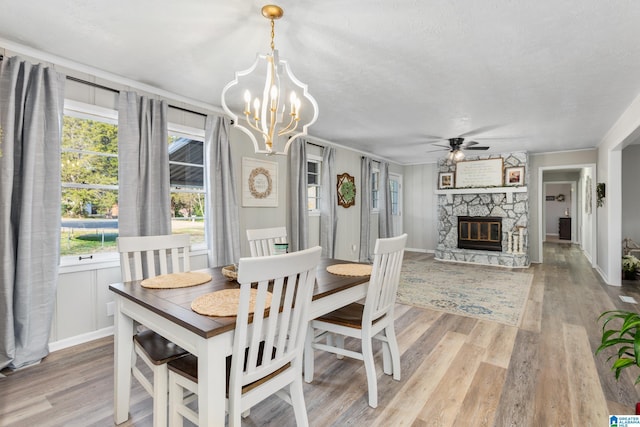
143, 257
385, 277
268, 343
373, 320
262, 240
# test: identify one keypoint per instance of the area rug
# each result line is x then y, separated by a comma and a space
490, 293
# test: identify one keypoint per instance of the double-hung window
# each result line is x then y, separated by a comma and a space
375, 195
89, 177
186, 165
314, 171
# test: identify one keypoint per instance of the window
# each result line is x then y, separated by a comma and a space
89, 177
186, 166
375, 178
314, 167
395, 190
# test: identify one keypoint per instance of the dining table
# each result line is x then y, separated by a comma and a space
168, 312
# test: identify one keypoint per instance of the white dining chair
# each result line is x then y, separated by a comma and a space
262, 240
143, 257
267, 344
373, 320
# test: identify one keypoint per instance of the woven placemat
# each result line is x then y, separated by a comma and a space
350, 269
224, 303
176, 280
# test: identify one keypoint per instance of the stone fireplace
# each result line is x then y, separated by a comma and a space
466, 208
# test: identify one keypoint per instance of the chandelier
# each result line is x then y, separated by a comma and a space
270, 98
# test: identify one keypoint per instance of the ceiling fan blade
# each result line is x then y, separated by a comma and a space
476, 148
433, 151
433, 137
439, 145
470, 143
481, 130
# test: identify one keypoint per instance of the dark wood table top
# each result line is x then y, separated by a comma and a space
175, 304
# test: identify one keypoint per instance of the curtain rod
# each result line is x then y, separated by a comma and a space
110, 89
316, 145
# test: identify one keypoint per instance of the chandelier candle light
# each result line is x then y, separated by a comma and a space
264, 117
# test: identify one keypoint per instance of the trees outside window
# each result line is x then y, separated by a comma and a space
89, 177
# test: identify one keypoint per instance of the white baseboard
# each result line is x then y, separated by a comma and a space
604, 276
80, 339
426, 251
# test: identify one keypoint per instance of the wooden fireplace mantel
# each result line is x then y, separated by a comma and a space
508, 191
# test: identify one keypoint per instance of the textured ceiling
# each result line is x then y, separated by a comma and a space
389, 76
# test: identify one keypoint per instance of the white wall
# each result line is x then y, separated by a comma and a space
421, 207
625, 131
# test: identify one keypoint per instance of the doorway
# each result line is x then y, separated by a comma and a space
581, 208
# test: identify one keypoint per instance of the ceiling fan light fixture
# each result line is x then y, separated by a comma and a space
456, 155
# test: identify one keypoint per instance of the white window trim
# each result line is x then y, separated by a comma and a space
89, 111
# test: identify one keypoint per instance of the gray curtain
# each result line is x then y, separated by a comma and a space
365, 209
31, 109
385, 220
298, 217
328, 203
222, 227
144, 198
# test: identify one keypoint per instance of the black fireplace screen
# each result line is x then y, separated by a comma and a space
484, 233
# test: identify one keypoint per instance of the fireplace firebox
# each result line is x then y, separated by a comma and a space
484, 233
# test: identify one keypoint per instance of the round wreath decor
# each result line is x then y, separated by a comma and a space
348, 190
252, 188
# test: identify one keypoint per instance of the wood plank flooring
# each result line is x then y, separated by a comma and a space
455, 370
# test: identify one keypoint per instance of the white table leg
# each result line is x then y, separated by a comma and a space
123, 346
211, 384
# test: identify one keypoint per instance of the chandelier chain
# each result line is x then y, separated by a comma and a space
273, 34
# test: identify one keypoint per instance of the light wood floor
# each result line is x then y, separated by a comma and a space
455, 370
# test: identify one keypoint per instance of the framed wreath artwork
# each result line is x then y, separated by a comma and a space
259, 183
346, 189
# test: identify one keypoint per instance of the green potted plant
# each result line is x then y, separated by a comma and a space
630, 267
625, 338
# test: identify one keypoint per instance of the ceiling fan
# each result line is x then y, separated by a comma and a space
457, 145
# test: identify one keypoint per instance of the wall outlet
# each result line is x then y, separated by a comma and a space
353, 248
110, 308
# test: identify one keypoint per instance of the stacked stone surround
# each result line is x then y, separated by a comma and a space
514, 214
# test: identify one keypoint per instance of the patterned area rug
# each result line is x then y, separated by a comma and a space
489, 293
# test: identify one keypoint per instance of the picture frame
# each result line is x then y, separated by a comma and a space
514, 176
346, 190
480, 173
259, 183
446, 180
